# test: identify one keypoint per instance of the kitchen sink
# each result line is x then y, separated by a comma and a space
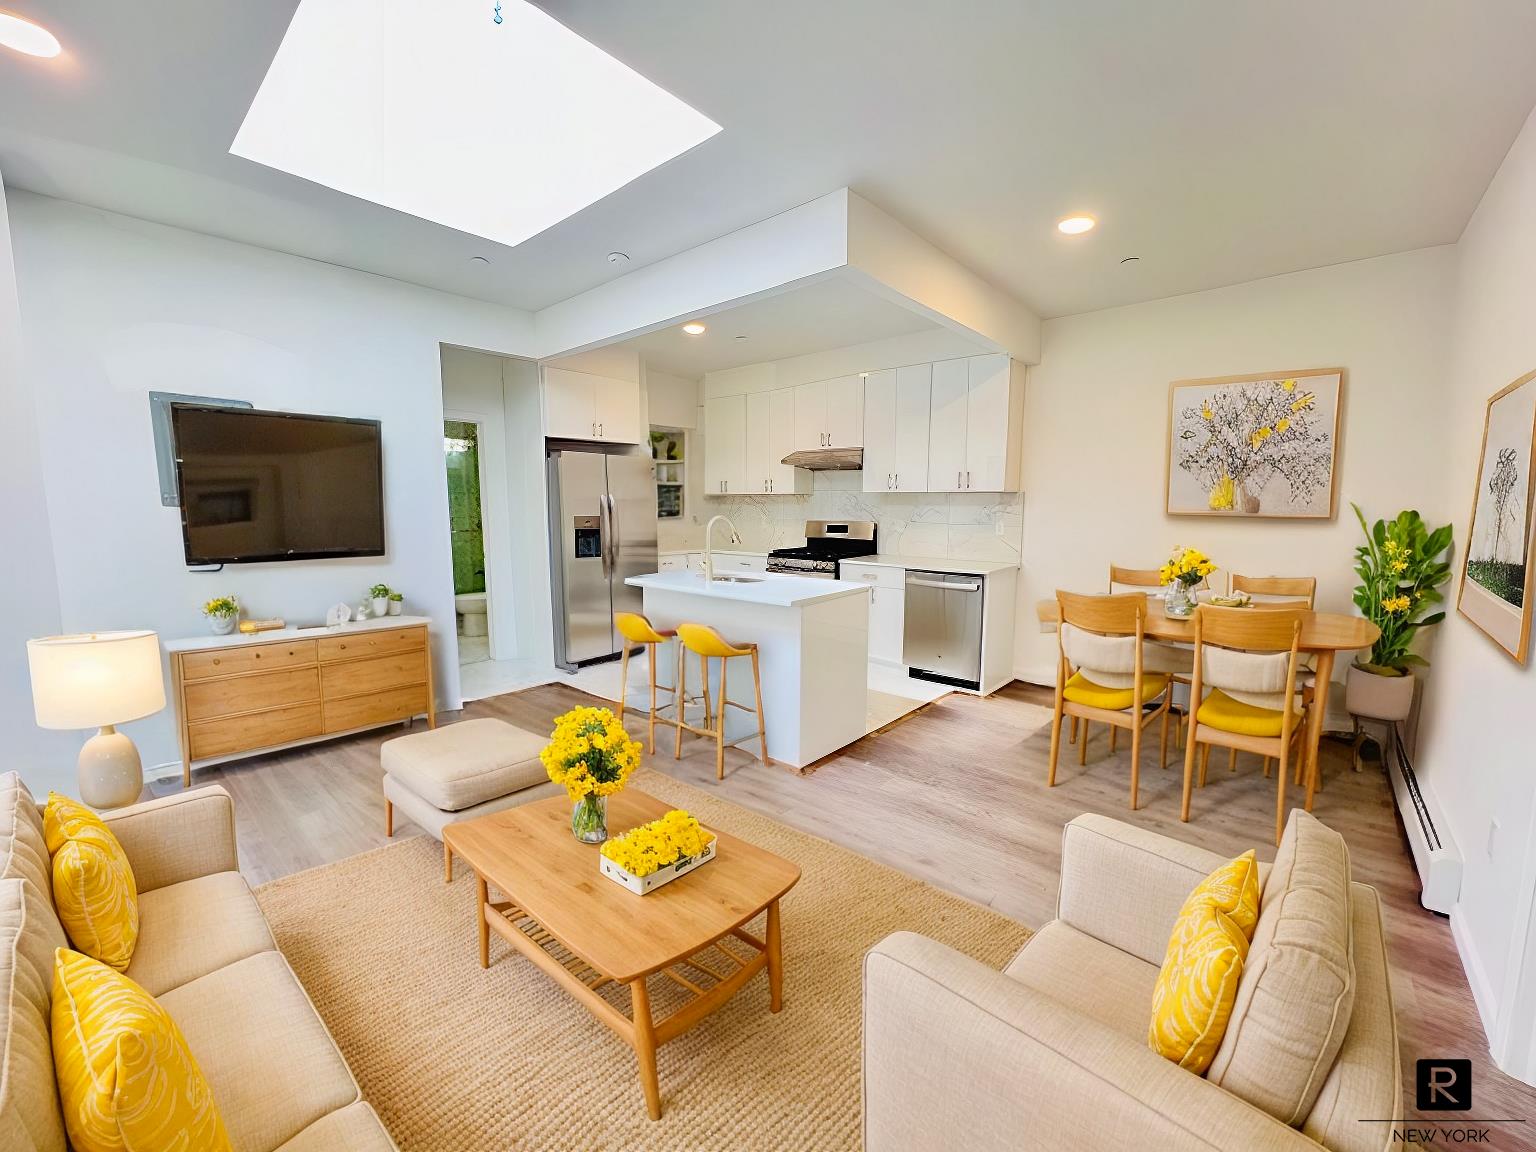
738, 579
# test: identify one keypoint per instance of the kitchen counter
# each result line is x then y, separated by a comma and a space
937, 564
813, 651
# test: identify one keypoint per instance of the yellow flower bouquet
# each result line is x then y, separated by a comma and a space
1186, 568
591, 756
649, 856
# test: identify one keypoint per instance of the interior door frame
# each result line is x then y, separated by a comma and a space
495, 578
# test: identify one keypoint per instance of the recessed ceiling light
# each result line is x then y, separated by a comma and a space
741, 337
618, 257
439, 112
479, 260
1075, 225
695, 328
25, 36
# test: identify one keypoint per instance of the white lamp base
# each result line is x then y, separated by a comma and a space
111, 774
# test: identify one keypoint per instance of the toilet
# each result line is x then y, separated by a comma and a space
471, 609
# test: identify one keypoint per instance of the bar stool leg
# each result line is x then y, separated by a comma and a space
679, 695
652, 651
623, 680
708, 709
720, 722
762, 727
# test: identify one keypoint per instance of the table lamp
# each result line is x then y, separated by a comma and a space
99, 680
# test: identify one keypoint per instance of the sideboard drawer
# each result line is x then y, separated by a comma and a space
377, 708
246, 658
258, 692
258, 730
356, 677
363, 644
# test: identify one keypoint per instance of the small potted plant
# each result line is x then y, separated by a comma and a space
396, 603
222, 613
1401, 566
379, 593
1185, 570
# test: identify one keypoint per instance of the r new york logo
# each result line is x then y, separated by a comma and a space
1444, 1085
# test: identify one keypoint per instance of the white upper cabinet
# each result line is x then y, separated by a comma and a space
896, 421
725, 445
947, 424
770, 436
994, 411
829, 414
582, 406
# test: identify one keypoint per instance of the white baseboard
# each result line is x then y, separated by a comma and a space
1471, 962
162, 771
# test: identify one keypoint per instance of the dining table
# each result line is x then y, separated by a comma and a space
1323, 635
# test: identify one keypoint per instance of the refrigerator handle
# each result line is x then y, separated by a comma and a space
613, 534
605, 530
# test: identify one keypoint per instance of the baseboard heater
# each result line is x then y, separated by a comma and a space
1435, 854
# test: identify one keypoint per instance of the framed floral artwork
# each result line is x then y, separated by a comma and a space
1255, 446
1496, 568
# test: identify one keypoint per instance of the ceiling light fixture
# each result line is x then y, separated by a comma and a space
618, 257
741, 337
1130, 260
695, 328
479, 260
27, 37
1075, 225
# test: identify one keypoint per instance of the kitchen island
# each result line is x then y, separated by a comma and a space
813, 644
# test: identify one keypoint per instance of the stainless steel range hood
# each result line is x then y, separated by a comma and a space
827, 459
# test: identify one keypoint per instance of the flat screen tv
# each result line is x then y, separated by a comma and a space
260, 486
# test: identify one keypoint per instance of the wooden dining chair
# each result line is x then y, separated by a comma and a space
1169, 657
1101, 674
1293, 591
1245, 693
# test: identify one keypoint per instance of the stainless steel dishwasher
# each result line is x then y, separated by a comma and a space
942, 637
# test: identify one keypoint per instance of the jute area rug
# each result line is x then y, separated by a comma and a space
456, 1058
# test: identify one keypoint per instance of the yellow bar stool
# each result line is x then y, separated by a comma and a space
708, 644
636, 629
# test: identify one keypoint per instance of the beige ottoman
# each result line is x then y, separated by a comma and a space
461, 771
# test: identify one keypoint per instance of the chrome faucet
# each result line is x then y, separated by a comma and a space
709, 556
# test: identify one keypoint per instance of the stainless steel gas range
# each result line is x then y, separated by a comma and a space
826, 542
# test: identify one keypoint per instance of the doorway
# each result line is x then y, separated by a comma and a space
466, 524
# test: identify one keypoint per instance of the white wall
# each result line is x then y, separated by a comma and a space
1096, 414
28, 584
1475, 745
116, 308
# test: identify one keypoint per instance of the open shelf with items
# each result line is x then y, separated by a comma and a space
669, 451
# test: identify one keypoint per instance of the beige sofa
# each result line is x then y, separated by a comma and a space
205, 953
1052, 1052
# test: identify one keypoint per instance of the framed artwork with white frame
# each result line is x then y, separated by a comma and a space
1497, 566
1264, 445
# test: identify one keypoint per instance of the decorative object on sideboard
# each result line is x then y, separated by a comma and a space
363, 611
591, 756
223, 613
337, 615
1401, 566
1497, 568
1254, 445
379, 594
99, 680
1181, 574
271, 624
396, 603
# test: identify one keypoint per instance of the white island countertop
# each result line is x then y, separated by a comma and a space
958, 566
768, 589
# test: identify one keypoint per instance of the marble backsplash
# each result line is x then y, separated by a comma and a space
969, 525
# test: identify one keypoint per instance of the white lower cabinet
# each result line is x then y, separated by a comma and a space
672, 562
887, 607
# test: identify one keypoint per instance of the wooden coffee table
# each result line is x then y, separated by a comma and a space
588, 932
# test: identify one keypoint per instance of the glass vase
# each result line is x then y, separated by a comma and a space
589, 819
1179, 600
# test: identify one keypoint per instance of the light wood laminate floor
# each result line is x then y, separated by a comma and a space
954, 794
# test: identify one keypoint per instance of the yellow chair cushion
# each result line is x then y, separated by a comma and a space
1196, 987
1233, 890
1081, 690
1221, 711
127, 1081
93, 887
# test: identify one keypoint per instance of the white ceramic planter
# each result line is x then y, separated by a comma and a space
396, 607
1378, 697
381, 606
643, 884
222, 625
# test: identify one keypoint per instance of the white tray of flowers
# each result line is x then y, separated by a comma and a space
645, 858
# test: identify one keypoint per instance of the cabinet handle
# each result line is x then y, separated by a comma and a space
957, 480
600, 431
967, 478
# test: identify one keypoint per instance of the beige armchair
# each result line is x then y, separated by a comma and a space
1052, 1052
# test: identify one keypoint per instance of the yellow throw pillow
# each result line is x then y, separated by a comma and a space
1234, 889
93, 888
127, 1081
1197, 987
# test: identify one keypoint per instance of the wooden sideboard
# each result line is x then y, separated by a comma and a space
240, 694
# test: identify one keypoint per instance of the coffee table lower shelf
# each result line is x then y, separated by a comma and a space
705, 985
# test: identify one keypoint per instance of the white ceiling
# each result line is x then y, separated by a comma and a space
831, 313
1217, 141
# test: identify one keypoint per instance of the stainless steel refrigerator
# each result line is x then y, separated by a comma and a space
602, 528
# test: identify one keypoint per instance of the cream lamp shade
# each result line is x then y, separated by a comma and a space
98, 680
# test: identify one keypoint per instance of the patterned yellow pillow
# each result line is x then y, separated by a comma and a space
1234, 889
127, 1081
93, 888
1197, 987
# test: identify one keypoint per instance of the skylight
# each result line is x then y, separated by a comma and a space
436, 109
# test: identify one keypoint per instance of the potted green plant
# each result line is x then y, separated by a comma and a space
396, 603
1401, 566
380, 596
222, 613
